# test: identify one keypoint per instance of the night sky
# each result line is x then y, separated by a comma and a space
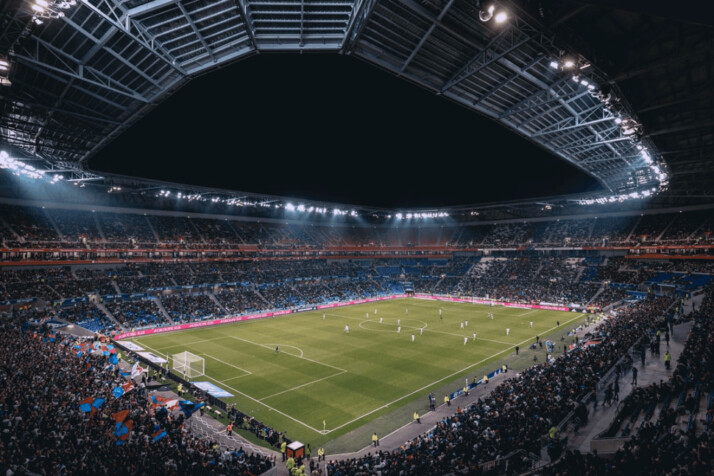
331, 127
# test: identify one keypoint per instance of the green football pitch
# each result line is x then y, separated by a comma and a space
324, 374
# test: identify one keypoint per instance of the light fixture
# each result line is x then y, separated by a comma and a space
554, 64
50, 9
568, 63
501, 17
487, 14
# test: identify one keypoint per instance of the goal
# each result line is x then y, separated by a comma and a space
189, 365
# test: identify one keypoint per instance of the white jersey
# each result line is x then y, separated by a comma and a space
466, 339
412, 337
421, 331
381, 319
508, 331
399, 329
347, 329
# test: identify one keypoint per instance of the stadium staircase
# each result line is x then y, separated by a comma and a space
99, 228
109, 315
632, 231
599, 292
215, 300
671, 222
12, 230
602, 432
162, 311
153, 231
198, 232
235, 232
268, 303
54, 225
590, 231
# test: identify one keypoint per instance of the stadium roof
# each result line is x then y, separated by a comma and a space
83, 71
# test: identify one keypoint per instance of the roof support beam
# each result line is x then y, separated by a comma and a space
508, 80
540, 98
149, 7
485, 58
360, 15
243, 13
592, 145
113, 53
426, 35
197, 31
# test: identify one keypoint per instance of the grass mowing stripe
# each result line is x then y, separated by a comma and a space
303, 385
350, 379
247, 372
444, 378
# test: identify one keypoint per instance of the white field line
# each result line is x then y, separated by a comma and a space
270, 346
297, 357
578, 316
259, 402
226, 363
526, 313
234, 378
303, 385
442, 379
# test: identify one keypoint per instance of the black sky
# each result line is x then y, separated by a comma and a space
330, 127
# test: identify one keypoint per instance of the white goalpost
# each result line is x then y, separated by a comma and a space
189, 365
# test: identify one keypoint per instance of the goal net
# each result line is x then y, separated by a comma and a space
189, 365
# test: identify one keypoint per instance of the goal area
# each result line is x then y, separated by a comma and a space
188, 365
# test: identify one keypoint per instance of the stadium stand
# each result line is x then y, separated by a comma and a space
290, 267
45, 432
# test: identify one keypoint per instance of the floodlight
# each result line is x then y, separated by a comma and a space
399, 216
487, 14
568, 63
554, 64
290, 207
501, 17
301, 208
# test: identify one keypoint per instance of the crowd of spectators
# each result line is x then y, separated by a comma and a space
43, 430
190, 307
135, 313
519, 412
106, 229
680, 440
259, 285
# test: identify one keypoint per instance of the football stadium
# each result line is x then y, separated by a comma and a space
356, 237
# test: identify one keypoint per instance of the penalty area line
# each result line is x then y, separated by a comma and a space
260, 403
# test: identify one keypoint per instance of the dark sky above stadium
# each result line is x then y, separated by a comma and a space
330, 127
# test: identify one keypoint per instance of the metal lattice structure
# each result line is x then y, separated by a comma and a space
81, 80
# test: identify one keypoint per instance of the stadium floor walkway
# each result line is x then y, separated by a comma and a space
652, 372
